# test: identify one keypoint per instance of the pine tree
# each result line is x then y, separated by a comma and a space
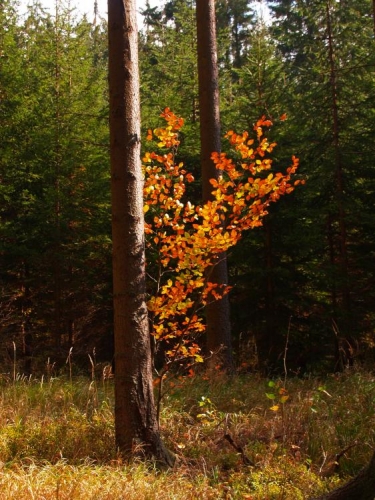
168, 61
54, 165
327, 51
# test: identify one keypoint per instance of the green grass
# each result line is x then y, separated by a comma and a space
57, 438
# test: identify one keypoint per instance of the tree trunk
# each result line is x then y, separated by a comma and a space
217, 312
361, 487
270, 349
26, 330
136, 426
57, 258
344, 312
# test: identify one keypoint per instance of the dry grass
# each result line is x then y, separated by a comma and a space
57, 439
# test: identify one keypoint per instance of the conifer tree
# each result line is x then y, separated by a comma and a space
54, 168
327, 51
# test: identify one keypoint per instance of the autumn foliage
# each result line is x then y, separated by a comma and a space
186, 240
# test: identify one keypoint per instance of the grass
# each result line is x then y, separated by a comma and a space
57, 438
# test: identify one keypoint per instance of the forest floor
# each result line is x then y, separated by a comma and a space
243, 437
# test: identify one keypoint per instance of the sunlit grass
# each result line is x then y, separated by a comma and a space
57, 438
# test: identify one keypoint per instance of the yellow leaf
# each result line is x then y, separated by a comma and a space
146, 208
275, 408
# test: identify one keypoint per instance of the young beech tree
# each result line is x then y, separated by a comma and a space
185, 242
136, 426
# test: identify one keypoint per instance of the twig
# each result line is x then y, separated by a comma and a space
246, 460
330, 468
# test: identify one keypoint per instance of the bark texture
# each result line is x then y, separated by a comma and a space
136, 426
361, 487
217, 312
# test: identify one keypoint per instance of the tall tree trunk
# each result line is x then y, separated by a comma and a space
26, 330
136, 426
344, 322
57, 259
217, 312
271, 343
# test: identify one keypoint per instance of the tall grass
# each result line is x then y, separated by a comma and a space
57, 438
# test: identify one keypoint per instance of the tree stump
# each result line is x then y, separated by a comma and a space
361, 487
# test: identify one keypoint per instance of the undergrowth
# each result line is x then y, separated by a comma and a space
242, 437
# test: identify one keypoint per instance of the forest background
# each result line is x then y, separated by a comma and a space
302, 297
307, 274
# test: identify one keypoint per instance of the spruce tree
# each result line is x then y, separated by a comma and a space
54, 164
327, 49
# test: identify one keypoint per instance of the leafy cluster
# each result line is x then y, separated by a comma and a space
187, 240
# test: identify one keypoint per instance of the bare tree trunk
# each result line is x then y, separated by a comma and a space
136, 426
344, 311
26, 330
270, 343
361, 487
217, 312
57, 264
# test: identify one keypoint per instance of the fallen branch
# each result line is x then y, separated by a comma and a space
246, 460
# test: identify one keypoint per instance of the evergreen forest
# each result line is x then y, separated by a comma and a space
308, 272
302, 298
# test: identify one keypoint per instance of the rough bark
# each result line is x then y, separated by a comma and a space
361, 487
136, 426
217, 312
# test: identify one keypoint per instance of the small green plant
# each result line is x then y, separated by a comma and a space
279, 395
209, 412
